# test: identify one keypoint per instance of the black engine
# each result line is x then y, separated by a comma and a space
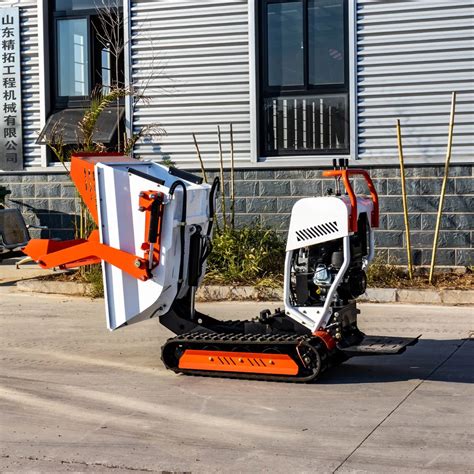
314, 269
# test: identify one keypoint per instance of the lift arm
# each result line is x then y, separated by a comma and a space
80, 252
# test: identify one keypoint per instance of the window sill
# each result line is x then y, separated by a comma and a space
298, 160
371, 162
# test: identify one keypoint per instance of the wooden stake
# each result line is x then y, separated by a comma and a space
404, 199
221, 159
203, 170
445, 181
232, 179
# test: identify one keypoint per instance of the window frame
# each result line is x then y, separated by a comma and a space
60, 101
260, 91
321, 89
64, 102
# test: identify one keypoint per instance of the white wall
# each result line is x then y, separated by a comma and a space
193, 56
410, 56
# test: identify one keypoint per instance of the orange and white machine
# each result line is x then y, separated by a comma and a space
153, 236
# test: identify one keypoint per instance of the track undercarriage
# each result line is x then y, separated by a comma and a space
271, 347
285, 358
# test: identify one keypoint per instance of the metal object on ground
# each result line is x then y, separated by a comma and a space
445, 182
404, 199
13, 233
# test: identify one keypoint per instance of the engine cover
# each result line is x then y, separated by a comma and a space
317, 220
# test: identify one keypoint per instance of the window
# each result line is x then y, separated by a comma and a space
285, 58
106, 70
73, 58
72, 5
86, 44
303, 77
83, 57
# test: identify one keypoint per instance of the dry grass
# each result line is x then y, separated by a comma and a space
93, 276
382, 275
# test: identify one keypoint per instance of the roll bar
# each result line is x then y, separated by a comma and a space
345, 174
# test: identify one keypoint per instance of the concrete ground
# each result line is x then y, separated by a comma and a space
9, 274
74, 397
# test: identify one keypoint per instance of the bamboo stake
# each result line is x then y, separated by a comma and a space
445, 181
221, 159
404, 199
232, 178
203, 170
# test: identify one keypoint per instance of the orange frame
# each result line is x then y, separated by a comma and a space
345, 174
248, 362
80, 252
146, 200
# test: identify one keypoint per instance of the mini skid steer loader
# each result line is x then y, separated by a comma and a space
153, 238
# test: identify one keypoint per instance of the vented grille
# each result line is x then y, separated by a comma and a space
316, 231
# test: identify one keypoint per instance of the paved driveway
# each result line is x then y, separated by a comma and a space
74, 397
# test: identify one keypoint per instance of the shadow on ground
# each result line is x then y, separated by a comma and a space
427, 360
10, 276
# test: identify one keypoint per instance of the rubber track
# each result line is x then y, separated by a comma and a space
238, 342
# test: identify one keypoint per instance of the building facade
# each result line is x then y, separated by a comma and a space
301, 81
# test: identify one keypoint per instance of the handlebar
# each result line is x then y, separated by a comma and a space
345, 174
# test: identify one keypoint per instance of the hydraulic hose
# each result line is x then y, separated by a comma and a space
183, 227
212, 198
214, 189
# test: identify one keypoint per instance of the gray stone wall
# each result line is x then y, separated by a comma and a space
44, 199
267, 196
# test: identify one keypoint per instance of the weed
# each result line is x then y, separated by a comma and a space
248, 255
94, 277
383, 275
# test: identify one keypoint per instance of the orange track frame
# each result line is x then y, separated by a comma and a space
248, 362
345, 174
